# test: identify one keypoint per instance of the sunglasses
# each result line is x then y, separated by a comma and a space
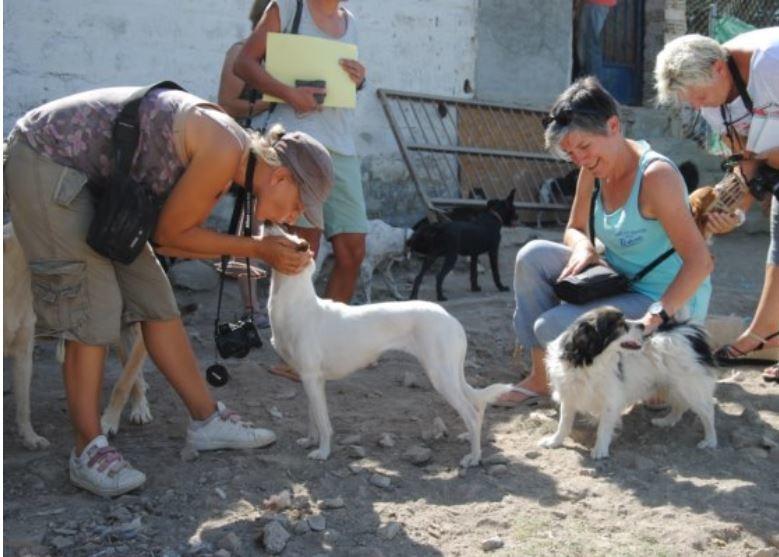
564, 117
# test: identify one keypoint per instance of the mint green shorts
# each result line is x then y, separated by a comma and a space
344, 209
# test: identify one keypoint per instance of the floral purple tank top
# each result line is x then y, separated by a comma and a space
75, 131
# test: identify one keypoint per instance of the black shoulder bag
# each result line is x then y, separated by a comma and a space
600, 281
125, 211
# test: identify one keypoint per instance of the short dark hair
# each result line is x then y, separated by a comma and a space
584, 106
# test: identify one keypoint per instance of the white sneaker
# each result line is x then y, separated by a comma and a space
102, 470
225, 430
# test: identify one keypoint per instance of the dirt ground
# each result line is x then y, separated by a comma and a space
656, 495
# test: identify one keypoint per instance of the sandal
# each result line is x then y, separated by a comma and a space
771, 373
531, 398
729, 355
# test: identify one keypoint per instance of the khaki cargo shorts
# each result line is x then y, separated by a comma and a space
78, 294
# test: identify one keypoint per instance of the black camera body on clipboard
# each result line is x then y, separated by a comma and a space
317, 83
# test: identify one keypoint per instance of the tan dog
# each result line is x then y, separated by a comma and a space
19, 340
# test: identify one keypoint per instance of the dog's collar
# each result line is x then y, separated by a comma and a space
497, 216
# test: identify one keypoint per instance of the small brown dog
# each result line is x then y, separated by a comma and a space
725, 197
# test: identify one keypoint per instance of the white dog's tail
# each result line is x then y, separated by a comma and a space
482, 397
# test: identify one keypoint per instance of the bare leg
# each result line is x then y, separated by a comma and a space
537, 381
348, 252
766, 319
83, 375
169, 348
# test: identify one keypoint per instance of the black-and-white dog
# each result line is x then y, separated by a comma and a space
603, 363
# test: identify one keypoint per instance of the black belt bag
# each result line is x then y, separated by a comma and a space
125, 215
126, 211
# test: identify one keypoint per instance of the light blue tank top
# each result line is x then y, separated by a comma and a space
633, 241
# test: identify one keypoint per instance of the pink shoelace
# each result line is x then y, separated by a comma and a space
107, 458
228, 415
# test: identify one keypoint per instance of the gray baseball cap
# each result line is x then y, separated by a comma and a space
312, 167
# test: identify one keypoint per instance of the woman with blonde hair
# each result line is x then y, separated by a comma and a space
736, 85
188, 154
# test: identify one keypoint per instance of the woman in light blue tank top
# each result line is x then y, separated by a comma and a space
641, 210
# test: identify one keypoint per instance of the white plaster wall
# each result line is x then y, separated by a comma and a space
57, 47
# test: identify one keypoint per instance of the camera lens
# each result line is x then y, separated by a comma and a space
217, 375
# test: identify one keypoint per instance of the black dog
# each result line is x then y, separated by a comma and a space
474, 237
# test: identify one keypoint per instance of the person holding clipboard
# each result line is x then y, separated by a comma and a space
346, 221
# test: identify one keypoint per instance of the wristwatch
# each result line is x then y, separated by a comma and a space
658, 309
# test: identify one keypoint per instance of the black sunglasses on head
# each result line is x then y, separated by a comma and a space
564, 117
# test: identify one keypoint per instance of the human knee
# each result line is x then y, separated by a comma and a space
546, 330
530, 258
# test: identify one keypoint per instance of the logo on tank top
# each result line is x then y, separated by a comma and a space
629, 238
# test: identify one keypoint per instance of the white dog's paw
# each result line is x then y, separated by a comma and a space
598, 453
464, 436
140, 413
550, 442
470, 460
665, 421
109, 423
306, 442
708, 444
33, 441
319, 454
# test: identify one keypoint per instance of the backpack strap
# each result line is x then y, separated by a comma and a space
126, 129
296, 19
293, 31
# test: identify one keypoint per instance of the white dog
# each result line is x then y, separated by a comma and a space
385, 245
19, 340
602, 364
324, 340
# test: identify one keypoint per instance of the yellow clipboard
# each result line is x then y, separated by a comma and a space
296, 57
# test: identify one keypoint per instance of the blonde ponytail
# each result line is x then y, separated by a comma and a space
263, 146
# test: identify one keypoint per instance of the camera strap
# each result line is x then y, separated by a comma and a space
243, 204
741, 87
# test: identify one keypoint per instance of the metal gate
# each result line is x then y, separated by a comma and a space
459, 151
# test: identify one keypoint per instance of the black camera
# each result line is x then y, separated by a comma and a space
319, 83
765, 182
236, 339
